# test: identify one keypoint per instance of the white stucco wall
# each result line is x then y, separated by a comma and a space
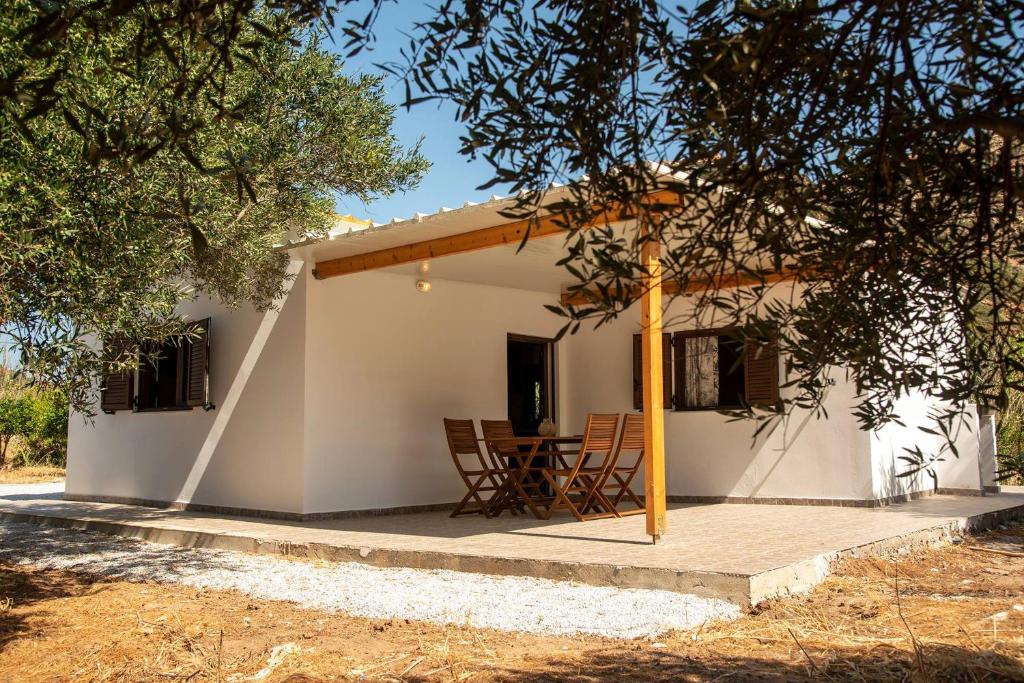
246, 453
386, 364
335, 403
705, 453
961, 470
987, 444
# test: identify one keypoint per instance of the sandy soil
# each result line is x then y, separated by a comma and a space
959, 616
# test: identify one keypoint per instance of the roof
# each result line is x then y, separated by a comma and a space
353, 236
445, 221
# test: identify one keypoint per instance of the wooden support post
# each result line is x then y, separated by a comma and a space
654, 418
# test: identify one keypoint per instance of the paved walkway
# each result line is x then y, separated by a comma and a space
743, 553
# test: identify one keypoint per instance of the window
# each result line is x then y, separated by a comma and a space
714, 369
176, 377
162, 378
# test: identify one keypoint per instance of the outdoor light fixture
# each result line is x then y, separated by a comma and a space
423, 284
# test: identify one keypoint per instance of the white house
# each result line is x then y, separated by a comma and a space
332, 403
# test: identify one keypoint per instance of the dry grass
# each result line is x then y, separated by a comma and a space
953, 613
956, 618
31, 474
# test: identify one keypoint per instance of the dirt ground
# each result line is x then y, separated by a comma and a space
33, 474
959, 616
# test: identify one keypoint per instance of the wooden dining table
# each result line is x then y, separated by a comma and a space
524, 462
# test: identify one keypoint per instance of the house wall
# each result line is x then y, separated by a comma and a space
961, 470
987, 455
385, 365
705, 453
246, 453
334, 402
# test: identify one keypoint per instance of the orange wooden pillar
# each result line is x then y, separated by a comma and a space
654, 417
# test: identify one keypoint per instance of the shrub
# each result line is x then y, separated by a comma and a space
32, 415
1010, 440
47, 437
17, 412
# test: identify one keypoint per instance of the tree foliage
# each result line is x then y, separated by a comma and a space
195, 44
110, 215
15, 421
871, 148
36, 415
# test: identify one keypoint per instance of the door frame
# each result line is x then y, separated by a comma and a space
550, 369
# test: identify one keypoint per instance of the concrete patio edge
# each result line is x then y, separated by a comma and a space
802, 576
731, 587
743, 589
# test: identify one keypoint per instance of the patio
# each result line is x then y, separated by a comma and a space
742, 553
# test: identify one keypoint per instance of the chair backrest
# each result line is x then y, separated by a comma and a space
462, 440
600, 432
598, 443
494, 431
497, 429
631, 438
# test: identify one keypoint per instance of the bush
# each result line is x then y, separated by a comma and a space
17, 412
1010, 440
1011, 468
34, 417
47, 437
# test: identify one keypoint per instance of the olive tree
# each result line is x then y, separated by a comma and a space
871, 150
109, 218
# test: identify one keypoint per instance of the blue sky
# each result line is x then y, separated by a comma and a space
453, 178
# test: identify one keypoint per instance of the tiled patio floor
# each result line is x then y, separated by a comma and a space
740, 552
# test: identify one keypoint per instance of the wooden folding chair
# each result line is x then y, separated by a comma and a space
462, 441
583, 479
507, 459
618, 477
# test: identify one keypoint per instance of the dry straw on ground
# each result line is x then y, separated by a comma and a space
960, 616
32, 474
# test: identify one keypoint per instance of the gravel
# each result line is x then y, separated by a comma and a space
440, 596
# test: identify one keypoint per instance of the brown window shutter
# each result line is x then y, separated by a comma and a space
638, 370
118, 388
761, 366
666, 368
197, 375
679, 367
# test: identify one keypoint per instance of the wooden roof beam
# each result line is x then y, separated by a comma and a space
474, 240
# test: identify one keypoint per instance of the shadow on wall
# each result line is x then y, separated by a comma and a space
893, 482
227, 406
949, 468
800, 455
789, 433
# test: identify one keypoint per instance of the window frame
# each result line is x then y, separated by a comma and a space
125, 391
180, 390
679, 361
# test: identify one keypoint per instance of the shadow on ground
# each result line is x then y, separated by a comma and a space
101, 555
20, 589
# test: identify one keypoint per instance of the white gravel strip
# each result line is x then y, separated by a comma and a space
500, 602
